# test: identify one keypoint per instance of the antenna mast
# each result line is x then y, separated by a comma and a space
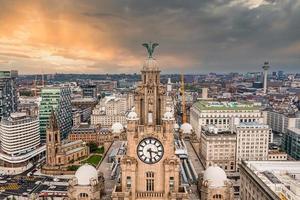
183, 100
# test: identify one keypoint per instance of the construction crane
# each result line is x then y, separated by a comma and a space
183, 100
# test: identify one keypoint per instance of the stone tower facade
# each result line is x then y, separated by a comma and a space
53, 144
150, 95
150, 168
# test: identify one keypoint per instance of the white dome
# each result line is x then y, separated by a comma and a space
215, 175
150, 64
168, 116
186, 128
85, 173
117, 127
176, 126
132, 116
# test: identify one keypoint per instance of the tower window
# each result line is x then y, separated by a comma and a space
128, 182
172, 183
149, 181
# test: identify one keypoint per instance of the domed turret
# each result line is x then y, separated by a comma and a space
215, 176
117, 127
85, 174
186, 128
168, 116
132, 116
176, 127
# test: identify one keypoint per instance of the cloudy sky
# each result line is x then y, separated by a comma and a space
195, 36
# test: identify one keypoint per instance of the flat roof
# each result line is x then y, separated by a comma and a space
278, 174
226, 105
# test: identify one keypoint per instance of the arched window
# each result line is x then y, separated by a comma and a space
83, 196
217, 196
149, 181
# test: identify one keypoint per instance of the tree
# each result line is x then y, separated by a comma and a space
93, 146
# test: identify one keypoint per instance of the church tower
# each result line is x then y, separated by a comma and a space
53, 141
150, 168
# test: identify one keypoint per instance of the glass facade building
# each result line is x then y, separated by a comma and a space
8, 94
291, 142
59, 99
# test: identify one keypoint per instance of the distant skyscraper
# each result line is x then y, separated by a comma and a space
204, 93
169, 86
265, 68
8, 96
89, 91
58, 99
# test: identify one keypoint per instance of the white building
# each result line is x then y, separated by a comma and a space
266, 180
223, 114
280, 122
111, 109
252, 141
20, 142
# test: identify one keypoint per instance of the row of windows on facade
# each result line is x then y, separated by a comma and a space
150, 182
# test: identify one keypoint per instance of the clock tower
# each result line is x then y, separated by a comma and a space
150, 169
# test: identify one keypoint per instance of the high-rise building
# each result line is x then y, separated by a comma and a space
280, 122
218, 148
270, 180
252, 141
8, 94
290, 142
89, 91
150, 169
59, 99
20, 142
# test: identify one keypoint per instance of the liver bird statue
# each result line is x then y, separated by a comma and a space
150, 48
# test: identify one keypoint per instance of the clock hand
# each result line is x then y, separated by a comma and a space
150, 152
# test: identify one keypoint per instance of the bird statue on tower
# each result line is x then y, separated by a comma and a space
150, 48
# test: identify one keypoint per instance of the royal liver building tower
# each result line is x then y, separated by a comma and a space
150, 169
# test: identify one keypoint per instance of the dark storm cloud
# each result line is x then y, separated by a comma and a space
197, 35
218, 34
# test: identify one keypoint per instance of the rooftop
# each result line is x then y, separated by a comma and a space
225, 105
282, 177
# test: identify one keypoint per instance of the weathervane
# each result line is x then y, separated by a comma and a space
150, 48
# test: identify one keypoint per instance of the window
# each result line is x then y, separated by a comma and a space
172, 183
217, 196
128, 182
149, 181
83, 195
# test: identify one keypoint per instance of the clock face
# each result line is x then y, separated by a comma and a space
150, 150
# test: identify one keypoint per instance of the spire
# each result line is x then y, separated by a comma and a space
52, 123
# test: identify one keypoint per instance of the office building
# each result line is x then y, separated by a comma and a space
252, 141
290, 143
270, 180
279, 122
218, 148
58, 99
111, 109
20, 142
8, 94
89, 91
223, 114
